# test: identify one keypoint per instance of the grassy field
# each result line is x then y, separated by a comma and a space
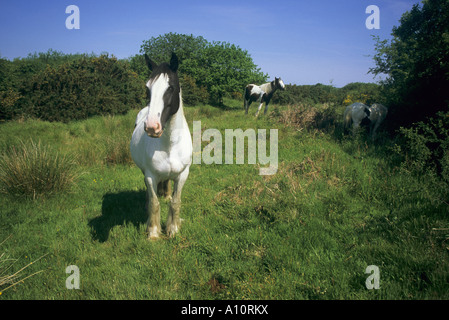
336, 206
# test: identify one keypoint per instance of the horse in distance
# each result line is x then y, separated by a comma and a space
356, 115
262, 94
161, 145
359, 115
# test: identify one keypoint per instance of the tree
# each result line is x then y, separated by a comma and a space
416, 62
188, 48
220, 68
226, 69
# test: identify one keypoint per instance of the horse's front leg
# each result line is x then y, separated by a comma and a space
266, 107
373, 129
153, 209
260, 108
174, 219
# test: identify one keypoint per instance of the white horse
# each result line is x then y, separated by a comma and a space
355, 115
161, 145
262, 93
378, 113
359, 114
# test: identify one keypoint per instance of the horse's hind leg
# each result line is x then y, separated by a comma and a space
153, 210
174, 219
247, 103
164, 189
266, 108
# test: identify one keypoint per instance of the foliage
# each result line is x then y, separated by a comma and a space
319, 94
416, 62
58, 87
220, 68
227, 69
192, 93
426, 146
83, 88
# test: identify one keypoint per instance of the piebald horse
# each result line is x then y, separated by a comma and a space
161, 145
359, 114
262, 94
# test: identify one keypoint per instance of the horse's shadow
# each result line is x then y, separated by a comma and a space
118, 209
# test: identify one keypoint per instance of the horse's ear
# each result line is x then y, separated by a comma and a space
150, 63
174, 62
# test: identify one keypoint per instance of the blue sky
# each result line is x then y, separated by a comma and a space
304, 42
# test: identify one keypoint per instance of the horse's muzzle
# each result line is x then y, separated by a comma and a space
153, 129
155, 135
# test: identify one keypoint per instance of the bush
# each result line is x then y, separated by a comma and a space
416, 63
320, 94
33, 170
427, 146
192, 94
83, 88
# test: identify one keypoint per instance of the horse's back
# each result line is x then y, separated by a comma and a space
253, 92
355, 113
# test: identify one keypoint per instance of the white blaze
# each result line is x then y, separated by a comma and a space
157, 89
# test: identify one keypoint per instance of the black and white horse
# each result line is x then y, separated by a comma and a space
359, 114
262, 94
161, 145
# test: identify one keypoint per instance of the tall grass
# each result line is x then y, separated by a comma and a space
32, 169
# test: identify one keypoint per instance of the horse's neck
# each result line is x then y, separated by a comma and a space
177, 121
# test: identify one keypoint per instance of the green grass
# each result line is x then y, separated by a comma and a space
335, 206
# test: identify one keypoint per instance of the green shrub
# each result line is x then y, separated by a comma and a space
83, 88
192, 94
427, 146
33, 170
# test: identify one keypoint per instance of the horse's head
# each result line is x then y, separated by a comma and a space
279, 84
163, 95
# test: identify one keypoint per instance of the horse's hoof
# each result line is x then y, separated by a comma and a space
172, 231
153, 233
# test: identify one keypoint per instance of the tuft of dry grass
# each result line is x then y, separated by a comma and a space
117, 150
298, 116
9, 278
304, 116
33, 170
